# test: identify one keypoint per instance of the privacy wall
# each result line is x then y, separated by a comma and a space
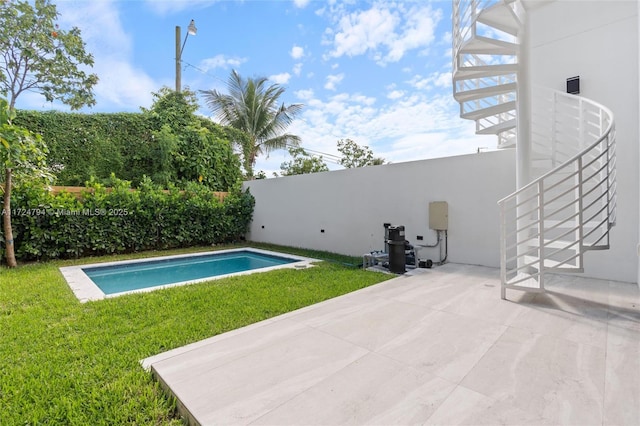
344, 211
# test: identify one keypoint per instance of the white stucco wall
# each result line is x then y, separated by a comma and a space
598, 40
352, 205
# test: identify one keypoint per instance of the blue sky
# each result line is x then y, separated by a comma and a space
377, 72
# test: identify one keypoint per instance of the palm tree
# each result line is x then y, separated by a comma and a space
252, 106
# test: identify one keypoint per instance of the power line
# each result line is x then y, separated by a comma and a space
331, 158
335, 157
187, 64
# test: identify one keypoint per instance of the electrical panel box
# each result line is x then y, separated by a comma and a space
439, 215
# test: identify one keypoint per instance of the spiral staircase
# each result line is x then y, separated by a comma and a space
569, 204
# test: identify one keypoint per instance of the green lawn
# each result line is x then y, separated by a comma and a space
63, 362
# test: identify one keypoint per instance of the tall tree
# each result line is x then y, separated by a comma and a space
22, 154
252, 106
302, 163
188, 147
36, 55
354, 155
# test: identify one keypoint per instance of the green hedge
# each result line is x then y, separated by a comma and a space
133, 145
61, 226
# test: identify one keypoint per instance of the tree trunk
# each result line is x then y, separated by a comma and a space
8, 232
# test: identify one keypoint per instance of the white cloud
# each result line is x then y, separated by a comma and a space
419, 82
443, 79
301, 3
121, 84
387, 31
306, 94
333, 80
282, 78
124, 86
361, 31
297, 52
395, 94
365, 100
415, 126
418, 31
297, 69
221, 61
437, 79
446, 39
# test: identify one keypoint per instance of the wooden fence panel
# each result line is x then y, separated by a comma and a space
78, 190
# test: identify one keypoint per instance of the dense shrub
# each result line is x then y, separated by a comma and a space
133, 145
120, 220
86, 145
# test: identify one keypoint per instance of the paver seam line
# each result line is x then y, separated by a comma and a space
171, 353
606, 356
555, 338
315, 384
572, 320
606, 361
173, 393
495, 342
368, 352
304, 329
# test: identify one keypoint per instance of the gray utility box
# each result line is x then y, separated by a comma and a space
439, 215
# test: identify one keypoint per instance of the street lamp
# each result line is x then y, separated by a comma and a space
192, 30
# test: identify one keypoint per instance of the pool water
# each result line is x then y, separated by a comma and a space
153, 273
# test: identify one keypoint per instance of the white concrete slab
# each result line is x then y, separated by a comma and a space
436, 347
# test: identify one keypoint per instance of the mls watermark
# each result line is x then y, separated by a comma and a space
66, 212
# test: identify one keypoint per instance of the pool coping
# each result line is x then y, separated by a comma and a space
86, 290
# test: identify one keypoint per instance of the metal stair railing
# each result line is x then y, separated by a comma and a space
465, 30
548, 224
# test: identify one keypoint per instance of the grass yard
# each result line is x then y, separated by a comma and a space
63, 362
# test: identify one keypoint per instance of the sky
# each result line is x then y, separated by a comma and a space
376, 72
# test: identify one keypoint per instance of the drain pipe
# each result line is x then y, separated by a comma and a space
429, 263
446, 250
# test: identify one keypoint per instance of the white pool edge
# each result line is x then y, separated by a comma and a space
86, 290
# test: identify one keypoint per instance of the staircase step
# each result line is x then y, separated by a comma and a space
552, 245
498, 128
489, 111
501, 17
499, 89
488, 46
481, 71
506, 140
525, 282
553, 265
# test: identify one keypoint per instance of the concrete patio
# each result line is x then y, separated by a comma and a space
437, 347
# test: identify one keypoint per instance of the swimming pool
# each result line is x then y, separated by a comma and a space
111, 279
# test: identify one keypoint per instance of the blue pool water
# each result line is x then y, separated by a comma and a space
153, 273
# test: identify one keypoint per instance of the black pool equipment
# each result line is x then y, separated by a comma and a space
396, 243
398, 253
425, 264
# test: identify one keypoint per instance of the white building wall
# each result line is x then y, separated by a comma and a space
598, 40
352, 205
